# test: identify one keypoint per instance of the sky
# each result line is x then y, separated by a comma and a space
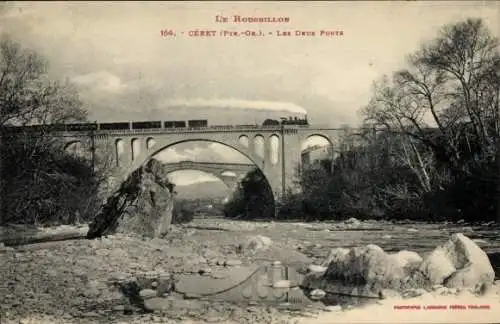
115, 54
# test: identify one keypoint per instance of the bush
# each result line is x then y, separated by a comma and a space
182, 213
252, 200
44, 185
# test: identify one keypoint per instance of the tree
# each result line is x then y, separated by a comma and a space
44, 183
28, 95
252, 199
452, 84
444, 108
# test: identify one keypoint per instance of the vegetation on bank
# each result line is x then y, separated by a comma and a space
40, 182
427, 149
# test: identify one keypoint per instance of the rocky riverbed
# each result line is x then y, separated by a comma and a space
85, 281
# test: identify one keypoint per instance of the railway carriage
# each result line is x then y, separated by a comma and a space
146, 125
174, 124
114, 126
197, 123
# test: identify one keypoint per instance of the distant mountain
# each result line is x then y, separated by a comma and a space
211, 189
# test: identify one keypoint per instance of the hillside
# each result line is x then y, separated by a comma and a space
211, 189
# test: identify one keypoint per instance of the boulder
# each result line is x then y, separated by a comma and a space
316, 268
337, 255
147, 293
437, 266
369, 271
317, 294
368, 265
460, 263
256, 243
407, 259
352, 222
142, 205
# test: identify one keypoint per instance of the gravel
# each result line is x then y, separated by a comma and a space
70, 281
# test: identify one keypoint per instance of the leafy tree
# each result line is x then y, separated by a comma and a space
252, 199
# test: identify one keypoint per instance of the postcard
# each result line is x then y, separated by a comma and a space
249, 162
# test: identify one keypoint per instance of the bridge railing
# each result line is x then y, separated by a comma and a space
94, 128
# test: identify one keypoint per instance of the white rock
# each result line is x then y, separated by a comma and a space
317, 294
406, 258
333, 308
352, 221
461, 262
258, 242
437, 266
316, 268
147, 293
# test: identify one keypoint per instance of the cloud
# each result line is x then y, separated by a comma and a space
236, 103
101, 81
201, 152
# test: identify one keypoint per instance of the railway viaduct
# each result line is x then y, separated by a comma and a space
132, 148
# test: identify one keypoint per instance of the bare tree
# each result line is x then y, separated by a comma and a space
27, 95
452, 85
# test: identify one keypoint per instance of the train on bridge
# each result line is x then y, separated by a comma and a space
147, 125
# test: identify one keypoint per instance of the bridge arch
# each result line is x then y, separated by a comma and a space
274, 148
119, 150
147, 155
311, 154
244, 140
317, 134
259, 145
150, 142
135, 147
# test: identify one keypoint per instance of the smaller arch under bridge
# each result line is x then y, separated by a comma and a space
229, 173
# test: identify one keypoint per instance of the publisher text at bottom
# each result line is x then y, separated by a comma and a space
442, 307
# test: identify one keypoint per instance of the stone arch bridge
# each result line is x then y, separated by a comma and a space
220, 170
131, 148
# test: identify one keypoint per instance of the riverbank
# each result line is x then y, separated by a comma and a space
68, 281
